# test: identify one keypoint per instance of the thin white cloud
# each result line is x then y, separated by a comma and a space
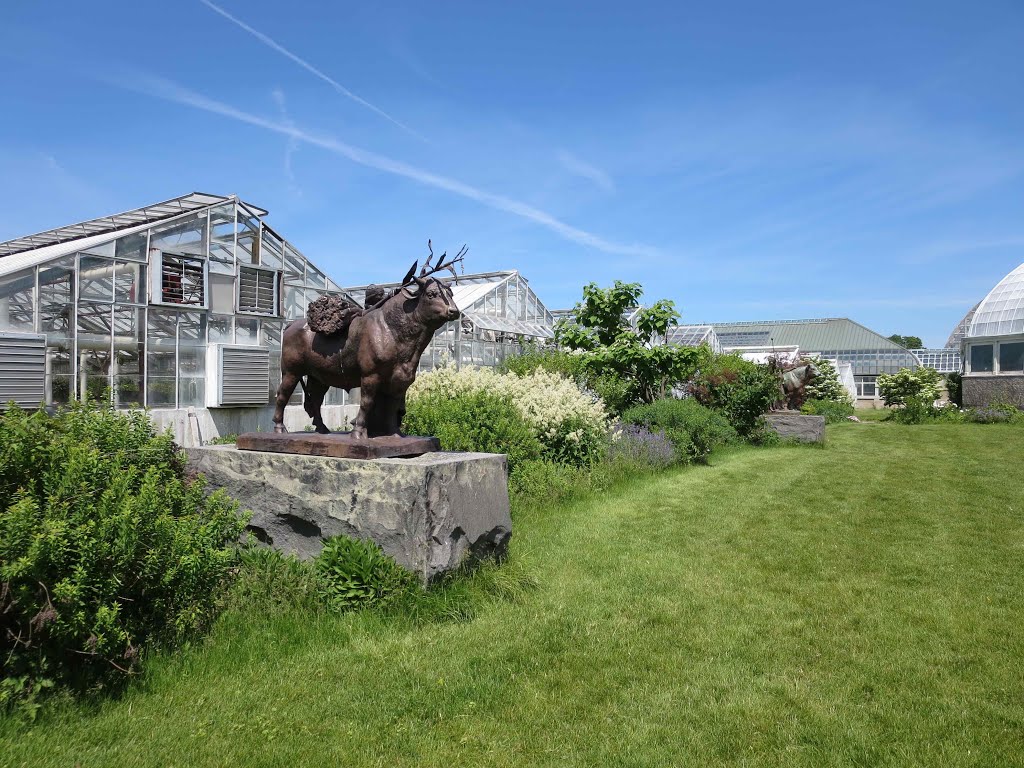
583, 169
273, 44
292, 145
170, 91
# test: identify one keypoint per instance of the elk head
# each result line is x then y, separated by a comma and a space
435, 303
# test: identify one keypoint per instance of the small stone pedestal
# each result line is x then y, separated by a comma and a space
791, 425
429, 513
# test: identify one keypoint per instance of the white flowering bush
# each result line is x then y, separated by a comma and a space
570, 424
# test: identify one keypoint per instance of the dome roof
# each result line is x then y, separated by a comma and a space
1002, 311
953, 342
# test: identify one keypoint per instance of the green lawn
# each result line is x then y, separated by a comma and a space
860, 604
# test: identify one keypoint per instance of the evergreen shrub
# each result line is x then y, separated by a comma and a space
693, 429
107, 549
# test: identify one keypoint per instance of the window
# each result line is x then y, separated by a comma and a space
257, 291
182, 280
1011, 356
981, 358
865, 386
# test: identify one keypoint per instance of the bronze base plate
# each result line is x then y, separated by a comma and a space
339, 445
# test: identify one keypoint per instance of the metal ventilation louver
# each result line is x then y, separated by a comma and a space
244, 376
257, 290
22, 370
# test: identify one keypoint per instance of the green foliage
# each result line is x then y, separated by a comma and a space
833, 411
907, 342
569, 424
106, 548
826, 385
741, 390
229, 439
995, 413
610, 386
919, 410
611, 347
269, 582
955, 388
474, 420
355, 573
898, 388
695, 430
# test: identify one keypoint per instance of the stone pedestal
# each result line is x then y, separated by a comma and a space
429, 512
791, 425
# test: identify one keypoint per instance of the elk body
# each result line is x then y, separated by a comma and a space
379, 352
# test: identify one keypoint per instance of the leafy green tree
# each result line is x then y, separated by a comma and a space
907, 342
609, 344
898, 388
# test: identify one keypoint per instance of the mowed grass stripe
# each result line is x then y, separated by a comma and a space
858, 604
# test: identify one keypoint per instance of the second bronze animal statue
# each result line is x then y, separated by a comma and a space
377, 349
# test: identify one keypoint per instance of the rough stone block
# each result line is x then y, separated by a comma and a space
429, 512
797, 426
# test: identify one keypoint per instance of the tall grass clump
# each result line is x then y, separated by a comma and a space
107, 549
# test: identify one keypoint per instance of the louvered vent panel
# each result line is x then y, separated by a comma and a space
256, 291
244, 376
22, 371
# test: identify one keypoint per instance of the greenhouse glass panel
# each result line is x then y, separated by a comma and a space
183, 236
96, 278
221, 329
981, 358
17, 304
1011, 356
247, 249
222, 235
130, 282
222, 293
272, 251
294, 266
131, 247
247, 330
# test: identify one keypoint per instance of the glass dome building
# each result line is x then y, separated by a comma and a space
993, 347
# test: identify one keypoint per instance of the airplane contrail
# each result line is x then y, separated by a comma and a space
171, 91
271, 43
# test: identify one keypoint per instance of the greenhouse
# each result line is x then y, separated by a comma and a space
838, 339
178, 305
993, 346
500, 314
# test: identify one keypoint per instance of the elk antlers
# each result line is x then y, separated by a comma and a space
442, 265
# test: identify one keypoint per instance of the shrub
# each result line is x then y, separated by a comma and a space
693, 429
898, 388
610, 387
633, 444
106, 549
955, 388
826, 386
548, 482
914, 410
832, 410
355, 573
569, 424
740, 390
995, 413
473, 420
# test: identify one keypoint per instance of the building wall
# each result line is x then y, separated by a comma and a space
193, 427
982, 390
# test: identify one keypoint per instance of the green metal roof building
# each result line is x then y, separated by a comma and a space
835, 338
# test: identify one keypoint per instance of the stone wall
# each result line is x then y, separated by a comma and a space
981, 390
791, 425
429, 513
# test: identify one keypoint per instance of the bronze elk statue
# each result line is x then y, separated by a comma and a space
376, 348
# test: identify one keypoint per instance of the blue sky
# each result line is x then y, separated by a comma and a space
748, 160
